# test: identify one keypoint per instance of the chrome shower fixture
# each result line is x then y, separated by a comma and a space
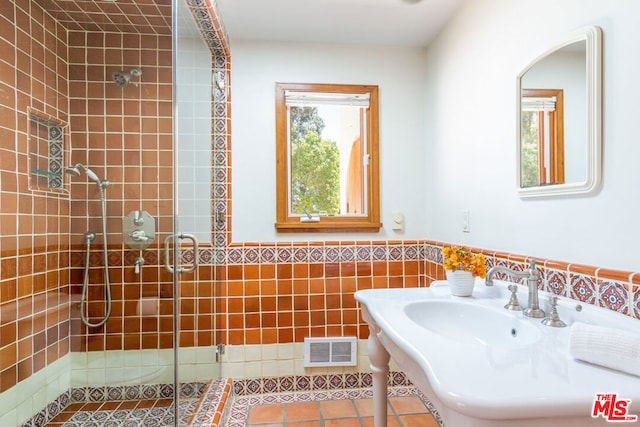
123, 78
75, 171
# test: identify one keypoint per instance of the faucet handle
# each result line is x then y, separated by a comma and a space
554, 318
513, 303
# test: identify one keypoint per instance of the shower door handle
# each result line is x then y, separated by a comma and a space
181, 270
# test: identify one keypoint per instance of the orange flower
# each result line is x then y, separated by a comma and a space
459, 258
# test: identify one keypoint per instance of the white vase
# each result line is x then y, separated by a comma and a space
460, 283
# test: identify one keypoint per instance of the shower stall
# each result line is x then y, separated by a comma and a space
114, 211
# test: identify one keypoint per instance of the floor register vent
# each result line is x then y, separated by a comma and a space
331, 351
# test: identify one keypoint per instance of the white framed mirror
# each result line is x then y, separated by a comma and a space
559, 141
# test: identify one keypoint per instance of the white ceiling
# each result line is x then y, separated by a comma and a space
354, 22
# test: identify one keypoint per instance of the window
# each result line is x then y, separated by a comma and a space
327, 158
542, 137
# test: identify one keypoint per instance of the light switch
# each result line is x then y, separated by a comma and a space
466, 227
397, 222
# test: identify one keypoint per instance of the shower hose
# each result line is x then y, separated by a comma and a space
85, 287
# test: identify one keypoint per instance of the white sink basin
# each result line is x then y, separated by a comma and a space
472, 324
483, 366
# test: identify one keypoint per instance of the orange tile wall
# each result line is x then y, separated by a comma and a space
125, 136
284, 300
34, 226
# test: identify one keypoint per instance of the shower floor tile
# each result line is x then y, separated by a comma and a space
200, 405
127, 413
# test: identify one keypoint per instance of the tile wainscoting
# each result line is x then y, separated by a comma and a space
283, 292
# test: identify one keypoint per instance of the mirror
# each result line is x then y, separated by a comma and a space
559, 119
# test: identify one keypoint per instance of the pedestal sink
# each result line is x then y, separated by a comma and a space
483, 366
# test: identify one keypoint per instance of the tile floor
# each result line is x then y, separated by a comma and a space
136, 406
407, 411
324, 407
128, 413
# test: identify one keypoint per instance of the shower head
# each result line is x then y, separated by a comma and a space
75, 171
123, 78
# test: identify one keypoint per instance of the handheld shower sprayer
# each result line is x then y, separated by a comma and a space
88, 239
75, 171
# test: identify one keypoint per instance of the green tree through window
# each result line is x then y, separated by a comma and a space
529, 129
315, 165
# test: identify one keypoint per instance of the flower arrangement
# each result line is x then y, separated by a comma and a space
459, 258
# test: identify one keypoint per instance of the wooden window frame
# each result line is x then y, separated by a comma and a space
286, 223
556, 136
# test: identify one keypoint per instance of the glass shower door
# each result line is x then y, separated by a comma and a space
190, 251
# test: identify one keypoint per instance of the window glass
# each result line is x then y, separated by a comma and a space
326, 135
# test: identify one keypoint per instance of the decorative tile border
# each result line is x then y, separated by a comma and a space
311, 253
288, 384
49, 412
136, 392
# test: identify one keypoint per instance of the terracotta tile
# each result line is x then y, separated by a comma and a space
347, 269
267, 271
365, 407
407, 405
285, 319
316, 302
422, 420
332, 270
251, 271
344, 422
301, 287
252, 336
617, 275
269, 303
337, 409
392, 421
301, 270
268, 287
285, 335
396, 268
556, 265
305, 411
269, 335
583, 269
348, 285
411, 267
316, 270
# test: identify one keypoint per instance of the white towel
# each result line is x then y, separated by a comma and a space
612, 348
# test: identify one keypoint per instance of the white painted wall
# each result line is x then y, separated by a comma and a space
399, 73
470, 121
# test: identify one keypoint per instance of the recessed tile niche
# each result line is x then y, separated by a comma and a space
46, 152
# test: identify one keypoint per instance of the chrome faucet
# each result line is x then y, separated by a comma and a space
533, 276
